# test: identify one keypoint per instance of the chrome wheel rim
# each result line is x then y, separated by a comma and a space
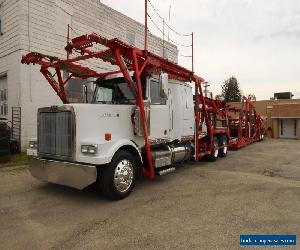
216, 153
123, 175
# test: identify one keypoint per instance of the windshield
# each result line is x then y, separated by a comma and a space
115, 91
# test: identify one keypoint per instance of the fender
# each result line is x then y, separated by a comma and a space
121, 143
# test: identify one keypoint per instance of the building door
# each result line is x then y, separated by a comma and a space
3, 98
288, 128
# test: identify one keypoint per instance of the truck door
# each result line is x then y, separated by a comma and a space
188, 111
159, 111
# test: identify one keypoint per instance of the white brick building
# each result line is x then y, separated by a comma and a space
41, 25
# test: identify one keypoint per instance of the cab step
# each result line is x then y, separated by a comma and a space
165, 171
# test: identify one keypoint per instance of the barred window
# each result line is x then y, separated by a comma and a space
5, 109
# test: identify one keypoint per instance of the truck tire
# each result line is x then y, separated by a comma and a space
261, 137
215, 153
117, 179
223, 142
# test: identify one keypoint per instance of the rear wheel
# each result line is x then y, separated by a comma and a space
223, 142
215, 152
117, 179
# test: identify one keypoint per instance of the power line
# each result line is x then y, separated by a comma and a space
184, 55
172, 41
176, 32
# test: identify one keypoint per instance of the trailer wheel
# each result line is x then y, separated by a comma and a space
117, 179
223, 142
261, 137
215, 153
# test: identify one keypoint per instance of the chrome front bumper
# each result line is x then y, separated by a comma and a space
64, 173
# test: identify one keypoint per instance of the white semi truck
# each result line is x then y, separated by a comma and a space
142, 120
79, 144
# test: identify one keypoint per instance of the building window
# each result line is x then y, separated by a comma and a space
130, 37
3, 102
295, 127
281, 127
5, 109
164, 52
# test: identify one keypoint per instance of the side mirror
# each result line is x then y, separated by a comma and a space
164, 83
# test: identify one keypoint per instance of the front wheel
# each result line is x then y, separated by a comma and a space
117, 179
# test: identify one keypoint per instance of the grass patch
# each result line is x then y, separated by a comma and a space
15, 159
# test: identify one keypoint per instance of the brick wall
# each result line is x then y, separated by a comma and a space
286, 110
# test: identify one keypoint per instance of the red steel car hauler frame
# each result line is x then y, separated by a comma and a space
245, 125
142, 62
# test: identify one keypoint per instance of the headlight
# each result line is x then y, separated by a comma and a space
33, 143
89, 149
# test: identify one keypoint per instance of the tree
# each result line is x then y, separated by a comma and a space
219, 97
231, 91
252, 97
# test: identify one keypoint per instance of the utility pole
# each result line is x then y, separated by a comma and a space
146, 23
163, 38
193, 52
169, 23
206, 85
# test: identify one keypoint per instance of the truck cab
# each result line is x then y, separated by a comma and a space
83, 143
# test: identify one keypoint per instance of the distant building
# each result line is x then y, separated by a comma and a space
27, 25
283, 95
281, 116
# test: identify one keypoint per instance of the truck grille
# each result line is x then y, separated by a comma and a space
55, 134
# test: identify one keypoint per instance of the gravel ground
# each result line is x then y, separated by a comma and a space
203, 205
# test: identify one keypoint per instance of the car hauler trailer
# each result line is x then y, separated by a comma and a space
245, 125
143, 119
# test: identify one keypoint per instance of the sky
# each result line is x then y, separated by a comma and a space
257, 41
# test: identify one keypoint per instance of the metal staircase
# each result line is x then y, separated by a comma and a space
16, 128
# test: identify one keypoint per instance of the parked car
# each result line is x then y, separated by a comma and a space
5, 133
7, 143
